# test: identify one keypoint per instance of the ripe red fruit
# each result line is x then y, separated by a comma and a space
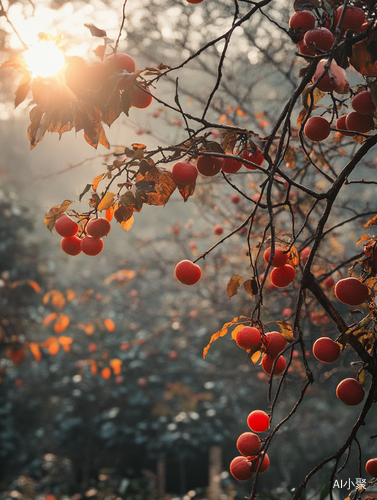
341, 125
304, 254
351, 291
209, 165
235, 198
265, 459
258, 421
194, 1
359, 123
327, 83
91, 246
231, 166
187, 272
240, 468
326, 350
65, 226
304, 49
98, 227
353, 18
184, 173
120, 62
319, 39
268, 361
302, 19
317, 128
350, 392
141, 98
218, 229
371, 467
283, 276
257, 157
248, 337
71, 245
275, 343
280, 258
363, 103
248, 444
329, 282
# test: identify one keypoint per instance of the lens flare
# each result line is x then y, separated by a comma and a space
44, 59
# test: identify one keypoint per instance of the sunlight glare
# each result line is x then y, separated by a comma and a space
44, 59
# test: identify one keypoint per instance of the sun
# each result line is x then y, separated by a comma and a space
44, 59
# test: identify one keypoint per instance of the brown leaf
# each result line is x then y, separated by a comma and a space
286, 330
290, 157
164, 186
186, 191
127, 224
233, 285
113, 109
251, 287
371, 222
293, 257
361, 60
54, 212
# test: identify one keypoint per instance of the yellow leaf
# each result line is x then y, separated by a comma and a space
286, 330
116, 365
127, 224
236, 330
363, 238
97, 180
255, 357
54, 212
106, 201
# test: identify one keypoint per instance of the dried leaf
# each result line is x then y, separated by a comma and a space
186, 191
54, 212
362, 61
95, 31
127, 224
233, 285
34, 348
22, 90
293, 258
251, 287
371, 222
290, 157
109, 324
222, 332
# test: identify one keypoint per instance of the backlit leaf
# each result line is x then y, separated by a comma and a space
371, 222
363, 238
97, 180
109, 214
106, 201
255, 357
186, 191
293, 257
95, 31
233, 285
286, 330
222, 332
22, 90
127, 224
236, 330
34, 348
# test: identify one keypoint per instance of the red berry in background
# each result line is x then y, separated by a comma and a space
218, 229
359, 123
353, 18
371, 467
326, 350
248, 337
363, 103
280, 258
302, 19
317, 128
240, 468
248, 444
141, 97
98, 228
351, 291
283, 276
257, 157
184, 173
275, 343
319, 39
91, 246
209, 165
329, 282
350, 392
235, 198
65, 226
265, 463
287, 311
231, 166
71, 245
258, 421
268, 361
187, 272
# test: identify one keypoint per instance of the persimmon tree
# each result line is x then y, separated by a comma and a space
298, 181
